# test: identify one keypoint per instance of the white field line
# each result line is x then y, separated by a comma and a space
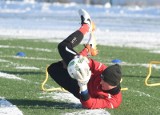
157, 66
31, 58
9, 76
47, 50
49, 59
16, 65
28, 48
131, 64
27, 68
2, 60
7, 108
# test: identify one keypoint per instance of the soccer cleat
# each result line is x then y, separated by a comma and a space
91, 44
85, 18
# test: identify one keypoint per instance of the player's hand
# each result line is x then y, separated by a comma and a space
83, 76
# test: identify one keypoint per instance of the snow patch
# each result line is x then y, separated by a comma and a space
29, 68
90, 112
34, 58
65, 96
68, 97
2, 60
62, 96
9, 76
6, 108
28, 48
155, 51
142, 93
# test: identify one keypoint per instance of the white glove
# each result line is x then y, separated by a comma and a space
83, 76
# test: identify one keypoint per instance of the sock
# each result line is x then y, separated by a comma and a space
84, 29
84, 52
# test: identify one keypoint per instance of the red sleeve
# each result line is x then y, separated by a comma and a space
84, 52
96, 67
102, 99
106, 101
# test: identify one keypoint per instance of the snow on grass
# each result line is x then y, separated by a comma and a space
143, 94
28, 48
140, 93
65, 96
144, 40
49, 29
90, 112
7, 108
155, 51
34, 58
29, 58
28, 68
75, 103
2, 60
9, 76
62, 96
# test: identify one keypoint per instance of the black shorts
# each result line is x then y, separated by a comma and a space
61, 77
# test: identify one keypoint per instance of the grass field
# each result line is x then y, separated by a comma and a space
26, 94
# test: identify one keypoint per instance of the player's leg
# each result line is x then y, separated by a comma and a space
61, 77
66, 46
57, 70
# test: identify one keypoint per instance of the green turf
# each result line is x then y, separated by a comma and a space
138, 100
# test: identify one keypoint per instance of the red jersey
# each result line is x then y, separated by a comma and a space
99, 98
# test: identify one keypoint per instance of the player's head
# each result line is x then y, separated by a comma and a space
112, 75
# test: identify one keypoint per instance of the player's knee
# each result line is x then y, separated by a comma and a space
50, 70
61, 46
53, 68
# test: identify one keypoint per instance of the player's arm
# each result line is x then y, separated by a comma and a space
103, 102
88, 50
